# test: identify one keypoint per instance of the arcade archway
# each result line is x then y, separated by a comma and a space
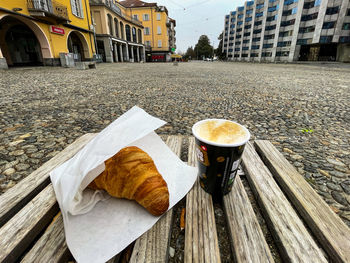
77, 45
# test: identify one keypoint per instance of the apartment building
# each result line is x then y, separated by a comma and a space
35, 32
119, 36
288, 30
159, 28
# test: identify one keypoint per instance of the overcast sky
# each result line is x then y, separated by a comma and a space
198, 17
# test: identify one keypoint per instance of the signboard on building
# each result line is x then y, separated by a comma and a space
57, 30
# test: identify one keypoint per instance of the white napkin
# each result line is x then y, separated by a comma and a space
97, 231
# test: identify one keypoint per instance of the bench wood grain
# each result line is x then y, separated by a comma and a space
201, 241
291, 236
18, 233
329, 229
19, 195
247, 239
153, 245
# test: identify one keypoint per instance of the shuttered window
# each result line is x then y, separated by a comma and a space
77, 8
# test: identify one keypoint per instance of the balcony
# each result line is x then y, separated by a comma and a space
48, 8
116, 9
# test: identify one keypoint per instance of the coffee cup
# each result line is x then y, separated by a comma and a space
219, 147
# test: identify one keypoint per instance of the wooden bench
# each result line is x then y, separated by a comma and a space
303, 227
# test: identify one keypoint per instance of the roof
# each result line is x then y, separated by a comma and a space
136, 3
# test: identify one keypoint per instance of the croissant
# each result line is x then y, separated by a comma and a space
132, 174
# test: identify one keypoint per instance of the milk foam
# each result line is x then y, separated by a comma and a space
221, 131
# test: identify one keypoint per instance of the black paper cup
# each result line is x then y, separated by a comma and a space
217, 162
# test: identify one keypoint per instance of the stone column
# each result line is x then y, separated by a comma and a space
108, 49
121, 52
138, 54
3, 63
131, 55
144, 54
115, 50
127, 52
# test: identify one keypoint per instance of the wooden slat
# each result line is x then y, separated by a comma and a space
329, 229
153, 246
201, 241
247, 239
19, 195
17, 234
51, 247
293, 239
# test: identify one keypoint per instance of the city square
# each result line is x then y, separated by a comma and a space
303, 109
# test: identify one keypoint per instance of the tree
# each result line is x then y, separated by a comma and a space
190, 53
203, 47
218, 51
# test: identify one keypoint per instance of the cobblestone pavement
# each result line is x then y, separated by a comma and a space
303, 109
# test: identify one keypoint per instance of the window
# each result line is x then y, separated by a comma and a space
232, 26
248, 19
284, 44
240, 9
247, 26
136, 17
257, 31
267, 37
309, 5
245, 48
159, 43
77, 8
237, 43
239, 23
272, 27
233, 20
346, 26
147, 31
232, 32
257, 23
248, 12
255, 47
238, 36
250, 3
148, 43
344, 39
332, 10
328, 25
158, 16
239, 30
246, 41
159, 30
268, 45
289, 2
256, 39
145, 17
246, 34
233, 13
288, 23
271, 18
231, 44
259, 14
294, 10
230, 50
259, 6
240, 16
326, 39
307, 29
348, 13
302, 41
309, 17
317, 2
266, 54
282, 53
254, 55
237, 56
224, 45
128, 32
227, 16
271, 1
272, 8
237, 49
231, 38
244, 55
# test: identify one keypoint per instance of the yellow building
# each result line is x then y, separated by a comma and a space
118, 36
159, 33
35, 32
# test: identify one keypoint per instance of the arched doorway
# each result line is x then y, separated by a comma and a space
78, 46
121, 30
20, 44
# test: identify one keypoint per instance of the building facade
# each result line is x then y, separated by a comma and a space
35, 32
157, 28
288, 30
119, 36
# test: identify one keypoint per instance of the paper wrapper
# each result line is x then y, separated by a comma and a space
98, 226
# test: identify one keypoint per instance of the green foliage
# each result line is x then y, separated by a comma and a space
190, 54
218, 51
203, 48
